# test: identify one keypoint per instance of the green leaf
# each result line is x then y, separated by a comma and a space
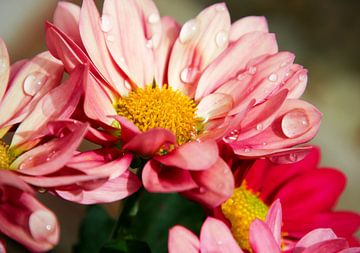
95, 230
159, 212
126, 246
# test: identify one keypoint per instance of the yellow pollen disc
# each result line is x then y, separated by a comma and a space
154, 107
241, 209
6, 157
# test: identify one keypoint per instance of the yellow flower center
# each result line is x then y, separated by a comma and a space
241, 209
6, 156
154, 107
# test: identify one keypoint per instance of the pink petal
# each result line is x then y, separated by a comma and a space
314, 237
228, 64
192, 156
215, 236
8, 178
216, 185
200, 41
170, 33
262, 239
298, 119
148, 143
128, 129
51, 156
158, 178
2, 247
66, 17
246, 25
4, 68
97, 104
274, 220
297, 82
214, 106
31, 83
59, 103
329, 246
350, 250
182, 240
131, 38
113, 190
95, 44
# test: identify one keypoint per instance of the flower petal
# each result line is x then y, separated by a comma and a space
262, 239
192, 156
216, 185
215, 236
150, 142
158, 178
113, 190
246, 25
131, 41
229, 64
4, 68
66, 17
274, 220
182, 240
214, 106
200, 41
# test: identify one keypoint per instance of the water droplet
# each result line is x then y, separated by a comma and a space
219, 242
247, 150
127, 85
149, 43
202, 190
33, 83
110, 38
259, 127
42, 190
3, 65
105, 23
273, 77
154, 18
188, 30
302, 78
295, 123
42, 224
51, 155
221, 38
252, 70
264, 143
189, 75
287, 74
220, 7
293, 157
241, 77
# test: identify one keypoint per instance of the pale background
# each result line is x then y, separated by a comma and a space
323, 34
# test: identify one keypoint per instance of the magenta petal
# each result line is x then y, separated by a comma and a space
50, 156
128, 129
113, 190
159, 178
350, 250
262, 239
192, 156
182, 240
216, 185
10, 179
215, 236
149, 142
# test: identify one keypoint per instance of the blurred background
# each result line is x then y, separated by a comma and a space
324, 35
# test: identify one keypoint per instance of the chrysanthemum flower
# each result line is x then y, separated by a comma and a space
176, 90
308, 195
265, 237
23, 218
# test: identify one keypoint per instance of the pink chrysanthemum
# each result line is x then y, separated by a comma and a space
176, 90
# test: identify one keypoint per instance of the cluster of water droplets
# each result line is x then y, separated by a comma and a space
34, 82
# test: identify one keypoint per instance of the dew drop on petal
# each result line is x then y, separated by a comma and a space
105, 23
252, 70
273, 77
188, 30
149, 43
259, 127
127, 85
154, 18
302, 78
189, 75
295, 123
33, 83
42, 224
219, 242
221, 38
